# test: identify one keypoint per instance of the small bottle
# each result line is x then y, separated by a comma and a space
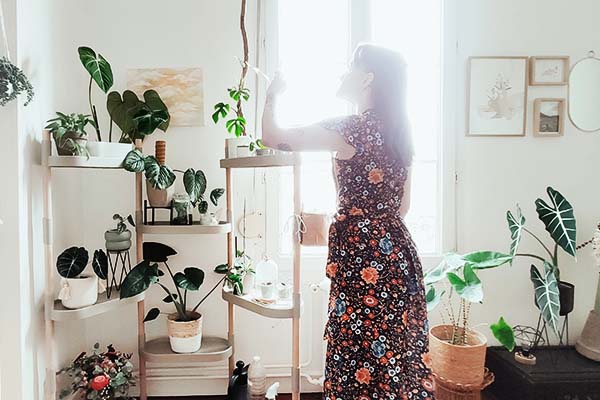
257, 380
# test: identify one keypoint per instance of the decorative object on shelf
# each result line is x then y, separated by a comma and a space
118, 243
148, 207
528, 339
103, 375
237, 389
185, 325
553, 297
548, 117
182, 90
284, 290
316, 232
588, 344
549, 71
497, 96
181, 209
267, 278
68, 132
195, 183
457, 350
78, 289
585, 74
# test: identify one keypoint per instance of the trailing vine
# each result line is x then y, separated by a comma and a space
13, 82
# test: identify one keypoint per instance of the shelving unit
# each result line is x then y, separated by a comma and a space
291, 310
104, 304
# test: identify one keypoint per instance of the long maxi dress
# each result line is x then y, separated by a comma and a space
377, 328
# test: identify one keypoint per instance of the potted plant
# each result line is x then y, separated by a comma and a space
195, 184
457, 349
119, 238
80, 289
185, 324
100, 72
68, 132
104, 375
588, 344
553, 296
13, 82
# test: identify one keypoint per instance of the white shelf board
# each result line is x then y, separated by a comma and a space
274, 160
212, 349
164, 228
279, 309
103, 305
84, 162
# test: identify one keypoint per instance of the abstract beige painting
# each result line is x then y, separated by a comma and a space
182, 90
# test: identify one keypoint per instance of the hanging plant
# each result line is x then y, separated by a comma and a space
13, 82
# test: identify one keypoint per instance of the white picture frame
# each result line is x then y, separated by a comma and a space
497, 96
549, 70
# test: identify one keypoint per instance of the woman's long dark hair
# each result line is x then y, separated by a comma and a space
389, 97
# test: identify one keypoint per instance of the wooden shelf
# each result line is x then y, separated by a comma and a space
281, 309
84, 162
164, 228
103, 305
275, 160
212, 349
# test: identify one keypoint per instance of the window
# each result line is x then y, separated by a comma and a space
315, 40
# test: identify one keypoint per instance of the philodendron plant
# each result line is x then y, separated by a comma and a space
122, 222
559, 220
71, 263
458, 276
147, 273
195, 186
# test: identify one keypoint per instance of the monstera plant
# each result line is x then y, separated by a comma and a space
553, 296
158, 176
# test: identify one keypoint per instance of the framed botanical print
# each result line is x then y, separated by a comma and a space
549, 71
497, 96
548, 117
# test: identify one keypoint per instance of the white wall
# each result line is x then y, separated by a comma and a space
497, 173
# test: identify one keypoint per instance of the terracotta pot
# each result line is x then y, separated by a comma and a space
315, 231
463, 365
79, 292
158, 197
185, 336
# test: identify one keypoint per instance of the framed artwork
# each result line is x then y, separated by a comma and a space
549, 71
548, 117
497, 96
182, 90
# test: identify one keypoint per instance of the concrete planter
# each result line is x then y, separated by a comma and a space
117, 241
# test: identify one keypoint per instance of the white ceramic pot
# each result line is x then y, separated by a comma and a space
267, 290
248, 282
109, 149
232, 144
208, 219
284, 291
159, 198
186, 336
244, 151
79, 292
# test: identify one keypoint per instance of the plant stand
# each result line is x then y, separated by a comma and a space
118, 261
563, 335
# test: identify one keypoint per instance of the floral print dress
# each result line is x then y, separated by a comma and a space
377, 329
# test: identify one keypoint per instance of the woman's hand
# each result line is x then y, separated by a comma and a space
277, 86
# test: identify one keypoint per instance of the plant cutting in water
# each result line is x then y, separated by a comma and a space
147, 273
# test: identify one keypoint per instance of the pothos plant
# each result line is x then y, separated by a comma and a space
147, 273
457, 274
559, 221
243, 264
13, 82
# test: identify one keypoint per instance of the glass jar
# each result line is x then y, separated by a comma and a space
266, 277
181, 209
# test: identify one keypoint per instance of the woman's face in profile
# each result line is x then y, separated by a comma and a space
353, 83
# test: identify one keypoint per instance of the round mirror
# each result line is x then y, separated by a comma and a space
584, 94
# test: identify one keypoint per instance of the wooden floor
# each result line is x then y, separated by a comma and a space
303, 396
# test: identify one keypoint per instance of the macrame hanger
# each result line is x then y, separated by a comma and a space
3, 32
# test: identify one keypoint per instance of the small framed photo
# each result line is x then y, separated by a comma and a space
497, 96
549, 117
549, 71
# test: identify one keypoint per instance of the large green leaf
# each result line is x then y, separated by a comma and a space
470, 288
547, 294
486, 259
100, 264
121, 109
195, 184
157, 252
159, 109
71, 262
139, 279
158, 176
216, 194
559, 220
515, 225
221, 110
222, 269
450, 262
152, 314
134, 161
504, 333
98, 68
191, 278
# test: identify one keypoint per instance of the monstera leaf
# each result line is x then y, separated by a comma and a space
504, 333
134, 161
139, 279
546, 294
486, 259
470, 288
559, 220
100, 264
71, 262
515, 225
157, 252
216, 194
195, 184
190, 279
158, 176
98, 68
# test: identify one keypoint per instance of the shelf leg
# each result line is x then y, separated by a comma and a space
230, 261
296, 288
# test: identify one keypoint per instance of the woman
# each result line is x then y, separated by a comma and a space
377, 330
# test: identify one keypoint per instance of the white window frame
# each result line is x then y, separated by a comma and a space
447, 176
